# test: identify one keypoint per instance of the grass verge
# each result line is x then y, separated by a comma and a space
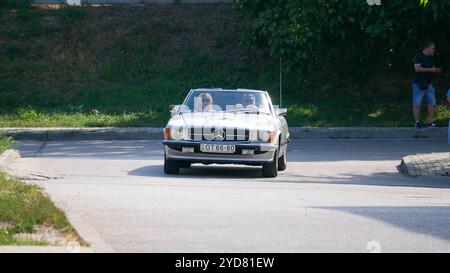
124, 65
24, 206
5, 143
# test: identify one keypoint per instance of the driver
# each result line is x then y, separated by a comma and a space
207, 102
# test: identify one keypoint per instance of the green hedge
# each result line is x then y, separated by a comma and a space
350, 35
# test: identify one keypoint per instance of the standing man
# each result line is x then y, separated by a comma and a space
422, 87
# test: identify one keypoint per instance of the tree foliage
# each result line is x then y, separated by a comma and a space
349, 34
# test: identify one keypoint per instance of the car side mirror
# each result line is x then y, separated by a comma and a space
281, 111
174, 109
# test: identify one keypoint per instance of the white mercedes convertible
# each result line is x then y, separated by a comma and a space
226, 127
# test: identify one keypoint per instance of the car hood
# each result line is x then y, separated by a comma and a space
223, 120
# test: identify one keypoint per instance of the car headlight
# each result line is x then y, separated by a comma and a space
178, 133
262, 136
265, 136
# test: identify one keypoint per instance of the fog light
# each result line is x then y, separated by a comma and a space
248, 152
187, 149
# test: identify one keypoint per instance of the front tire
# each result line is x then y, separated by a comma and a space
282, 162
171, 166
271, 169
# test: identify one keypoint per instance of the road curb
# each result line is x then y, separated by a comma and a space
88, 233
432, 164
106, 133
8, 156
156, 133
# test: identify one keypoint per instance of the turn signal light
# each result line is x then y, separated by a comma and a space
271, 137
166, 133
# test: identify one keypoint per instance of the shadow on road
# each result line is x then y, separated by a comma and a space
216, 172
298, 150
95, 149
386, 179
360, 150
430, 220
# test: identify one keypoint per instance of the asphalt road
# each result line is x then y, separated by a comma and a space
336, 195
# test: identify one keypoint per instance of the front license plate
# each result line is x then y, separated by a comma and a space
217, 148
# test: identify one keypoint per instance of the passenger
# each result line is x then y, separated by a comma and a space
250, 102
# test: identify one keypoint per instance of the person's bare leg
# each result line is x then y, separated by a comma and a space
416, 113
431, 112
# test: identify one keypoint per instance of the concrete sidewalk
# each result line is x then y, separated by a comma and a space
156, 133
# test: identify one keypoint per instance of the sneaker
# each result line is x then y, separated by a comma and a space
432, 125
418, 125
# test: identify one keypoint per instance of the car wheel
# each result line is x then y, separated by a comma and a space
184, 164
171, 166
282, 162
271, 169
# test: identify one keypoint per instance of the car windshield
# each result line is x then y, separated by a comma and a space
227, 101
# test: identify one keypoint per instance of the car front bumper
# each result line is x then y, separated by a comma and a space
263, 152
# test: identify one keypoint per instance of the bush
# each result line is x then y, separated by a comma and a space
17, 4
350, 35
5, 143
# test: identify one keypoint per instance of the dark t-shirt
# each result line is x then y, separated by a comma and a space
426, 62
